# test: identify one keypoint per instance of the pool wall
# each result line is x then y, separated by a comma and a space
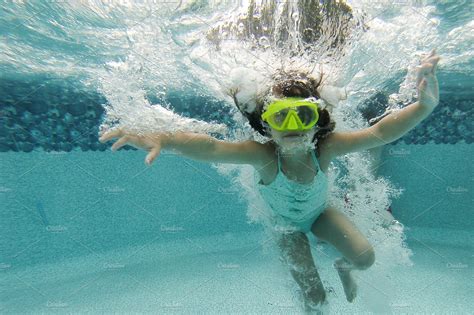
44, 112
437, 182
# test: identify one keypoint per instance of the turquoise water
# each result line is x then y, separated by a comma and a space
85, 230
83, 234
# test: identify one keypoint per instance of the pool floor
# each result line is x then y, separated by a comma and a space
233, 274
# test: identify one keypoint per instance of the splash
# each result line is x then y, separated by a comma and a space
132, 110
369, 196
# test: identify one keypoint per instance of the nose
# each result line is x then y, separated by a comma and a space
292, 123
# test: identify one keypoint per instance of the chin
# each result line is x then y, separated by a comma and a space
303, 138
292, 143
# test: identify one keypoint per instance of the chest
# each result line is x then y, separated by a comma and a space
303, 172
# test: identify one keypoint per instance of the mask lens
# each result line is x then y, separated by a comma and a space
306, 114
279, 117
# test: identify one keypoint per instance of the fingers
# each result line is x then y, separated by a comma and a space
423, 84
428, 56
431, 59
120, 143
434, 61
427, 68
152, 155
110, 135
423, 70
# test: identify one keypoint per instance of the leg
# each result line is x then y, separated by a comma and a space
296, 253
335, 228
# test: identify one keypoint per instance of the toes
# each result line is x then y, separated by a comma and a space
354, 291
353, 294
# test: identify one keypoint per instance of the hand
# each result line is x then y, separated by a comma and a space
151, 142
427, 83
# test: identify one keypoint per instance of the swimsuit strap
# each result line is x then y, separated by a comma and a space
315, 159
279, 162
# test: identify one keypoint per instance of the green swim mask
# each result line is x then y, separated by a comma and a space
291, 114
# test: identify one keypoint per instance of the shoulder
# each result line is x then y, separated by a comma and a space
267, 150
264, 153
330, 145
323, 150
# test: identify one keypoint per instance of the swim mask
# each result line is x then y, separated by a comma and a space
291, 114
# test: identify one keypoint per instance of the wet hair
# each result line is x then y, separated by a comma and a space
290, 84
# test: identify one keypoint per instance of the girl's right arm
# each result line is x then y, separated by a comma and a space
196, 146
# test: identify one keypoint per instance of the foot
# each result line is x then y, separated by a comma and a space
314, 300
318, 309
344, 271
315, 296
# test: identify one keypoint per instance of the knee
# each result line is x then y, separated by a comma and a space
365, 260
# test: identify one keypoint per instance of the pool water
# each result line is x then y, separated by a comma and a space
101, 232
85, 230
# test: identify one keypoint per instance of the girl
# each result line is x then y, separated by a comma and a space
292, 170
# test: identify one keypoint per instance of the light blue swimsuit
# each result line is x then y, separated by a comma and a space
295, 206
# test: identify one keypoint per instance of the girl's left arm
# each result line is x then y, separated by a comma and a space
397, 123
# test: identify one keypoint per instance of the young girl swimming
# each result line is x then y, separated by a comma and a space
292, 169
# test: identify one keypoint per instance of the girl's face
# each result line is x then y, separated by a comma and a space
291, 140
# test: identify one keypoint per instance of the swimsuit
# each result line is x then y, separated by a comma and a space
295, 206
